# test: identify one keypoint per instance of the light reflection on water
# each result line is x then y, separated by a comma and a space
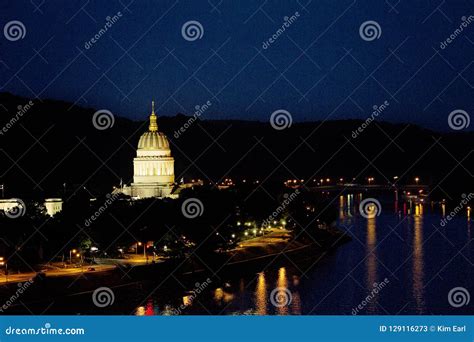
418, 263
261, 295
371, 261
391, 246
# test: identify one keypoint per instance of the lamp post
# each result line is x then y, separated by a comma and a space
4, 263
417, 180
70, 255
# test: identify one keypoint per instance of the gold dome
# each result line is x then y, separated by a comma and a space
153, 140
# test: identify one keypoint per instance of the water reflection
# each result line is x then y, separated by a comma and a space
222, 297
261, 295
375, 249
296, 302
282, 282
148, 309
371, 261
418, 263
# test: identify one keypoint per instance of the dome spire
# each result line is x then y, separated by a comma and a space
153, 125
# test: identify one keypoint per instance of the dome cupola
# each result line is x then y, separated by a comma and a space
153, 142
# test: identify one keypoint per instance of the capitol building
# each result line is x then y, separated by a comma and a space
153, 167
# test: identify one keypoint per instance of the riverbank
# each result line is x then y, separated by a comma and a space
252, 255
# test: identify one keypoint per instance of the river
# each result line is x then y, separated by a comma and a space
403, 261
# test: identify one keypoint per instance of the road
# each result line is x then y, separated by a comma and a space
63, 272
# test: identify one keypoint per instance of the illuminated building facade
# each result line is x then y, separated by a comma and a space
153, 167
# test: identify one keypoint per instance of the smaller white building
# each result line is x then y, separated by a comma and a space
7, 204
53, 205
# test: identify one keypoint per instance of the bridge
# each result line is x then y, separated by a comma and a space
350, 187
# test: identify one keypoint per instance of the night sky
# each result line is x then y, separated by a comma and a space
319, 68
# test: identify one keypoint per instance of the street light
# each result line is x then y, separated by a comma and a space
417, 180
70, 255
4, 263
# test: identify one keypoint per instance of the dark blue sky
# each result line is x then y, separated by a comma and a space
319, 68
